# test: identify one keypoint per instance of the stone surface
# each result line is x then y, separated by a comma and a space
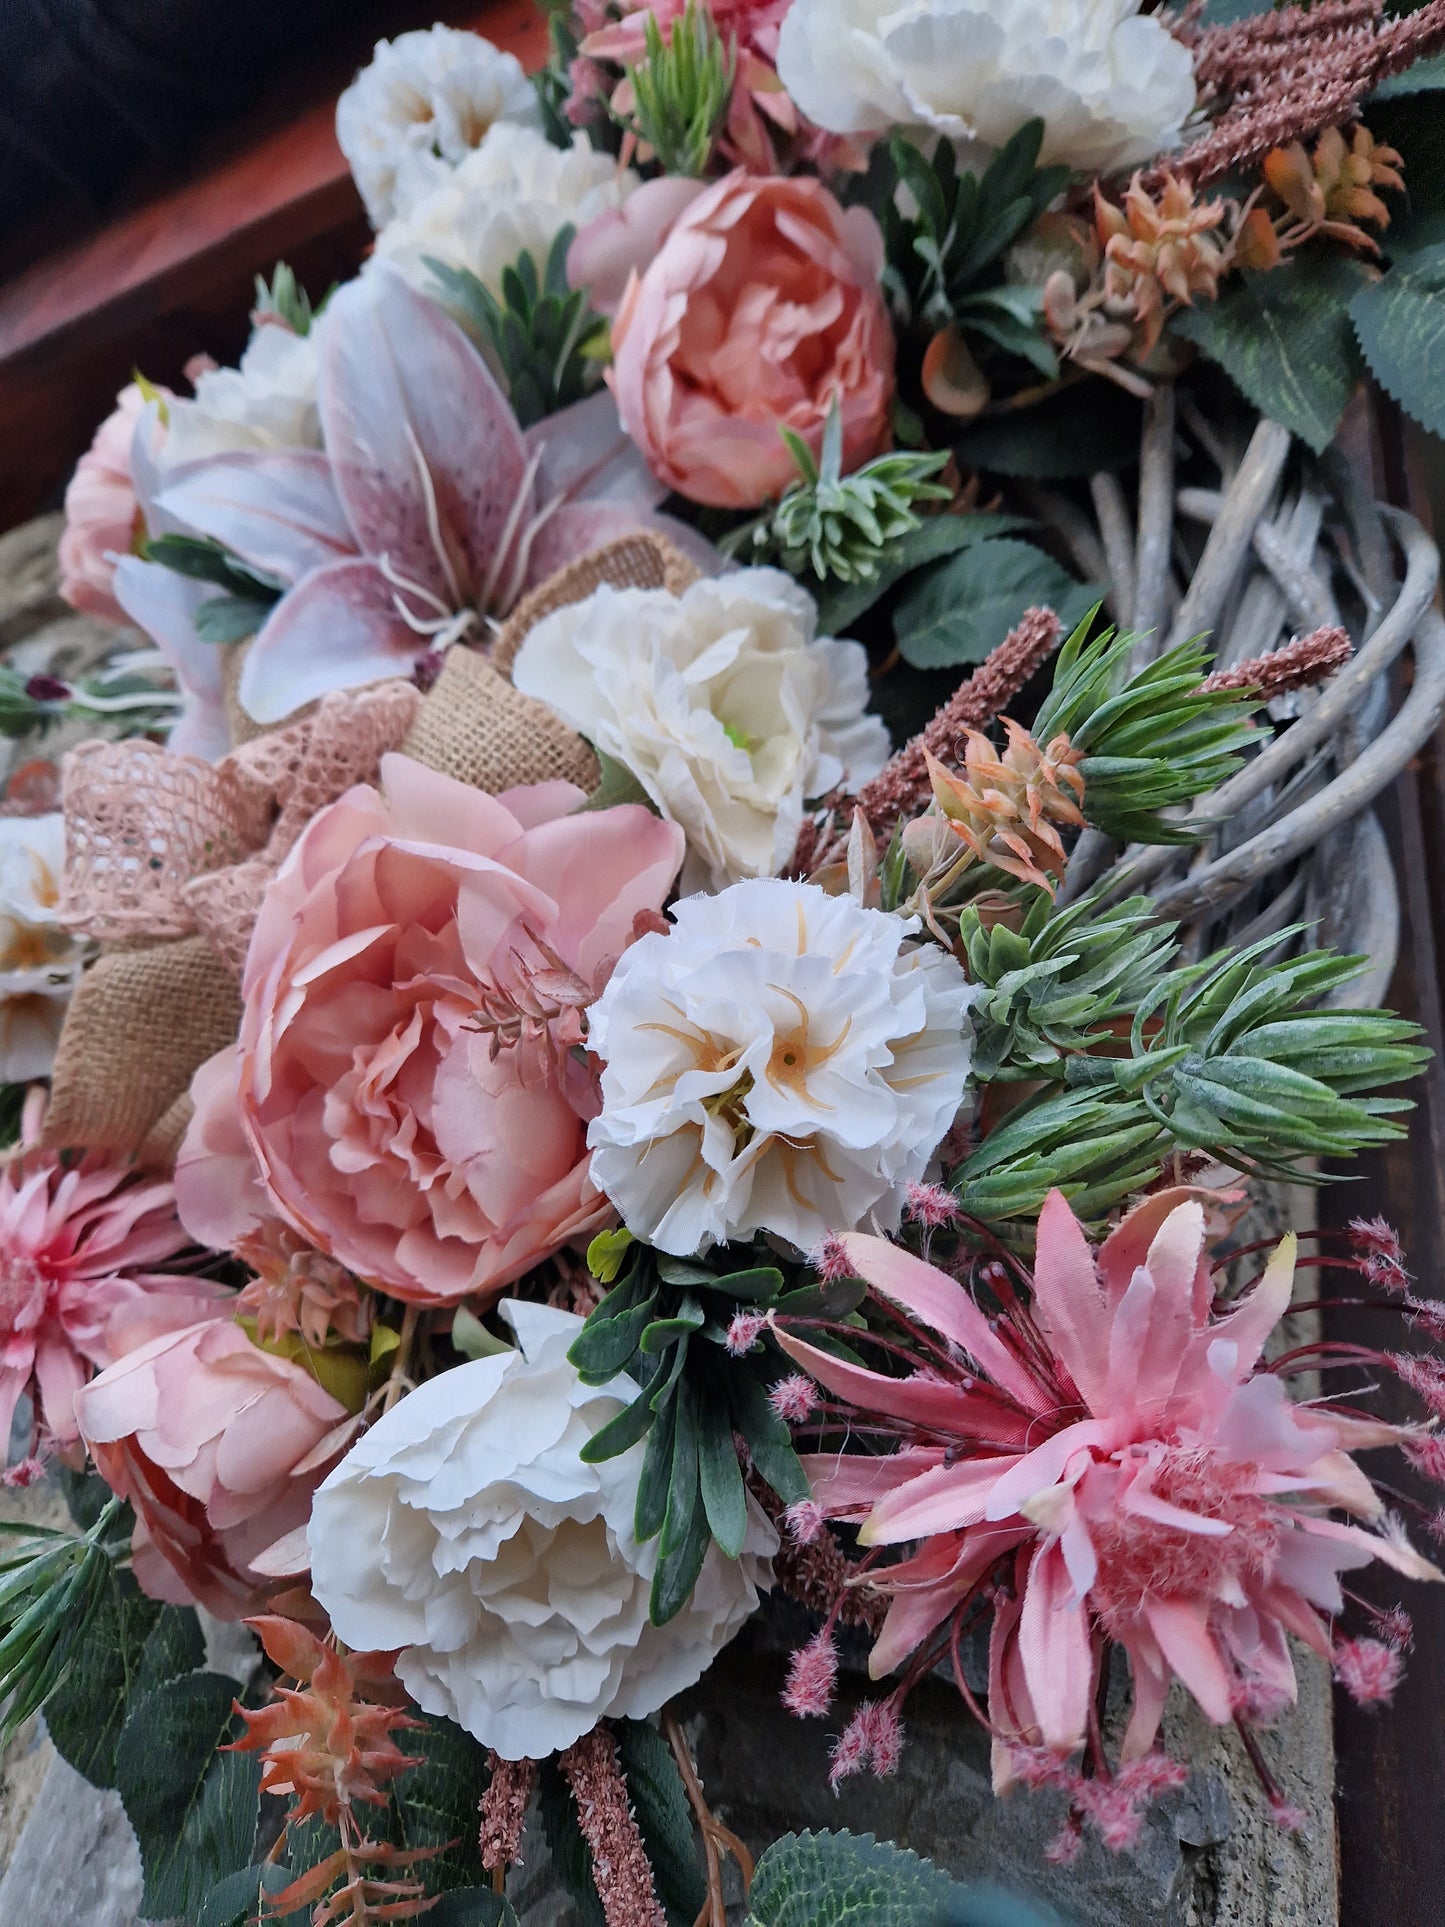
76, 1864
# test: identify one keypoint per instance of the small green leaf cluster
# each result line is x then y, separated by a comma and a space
681, 91
541, 336
247, 594
53, 1589
285, 298
665, 1325
946, 230
1151, 741
1053, 987
1235, 1057
839, 527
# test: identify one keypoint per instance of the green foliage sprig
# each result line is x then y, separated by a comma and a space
681, 90
1053, 986
247, 594
839, 527
52, 1589
545, 340
665, 1324
1151, 740
946, 230
284, 297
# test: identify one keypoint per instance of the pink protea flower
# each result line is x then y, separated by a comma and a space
1119, 1464
83, 1246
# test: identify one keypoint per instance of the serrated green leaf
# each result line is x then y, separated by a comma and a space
1400, 322
846, 1880
86, 1713
193, 1808
1285, 339
235, 1900
840, 604
961, 609
436, 1804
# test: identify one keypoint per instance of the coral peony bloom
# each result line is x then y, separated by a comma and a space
101, 514
405, 1076
761, 309
620, 241
214, 1442
1117, 1463
80, 1251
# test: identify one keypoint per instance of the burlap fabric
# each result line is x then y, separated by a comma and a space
174, 878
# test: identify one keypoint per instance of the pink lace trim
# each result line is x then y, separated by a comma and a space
160, 846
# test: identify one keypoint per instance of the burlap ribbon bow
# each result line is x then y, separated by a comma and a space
168, 857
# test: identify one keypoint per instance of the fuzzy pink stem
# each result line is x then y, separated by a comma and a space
504, 1810
1300, 664
620, 1868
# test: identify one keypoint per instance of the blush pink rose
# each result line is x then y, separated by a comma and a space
761, 308
407, 1079
214, 1442
101, 512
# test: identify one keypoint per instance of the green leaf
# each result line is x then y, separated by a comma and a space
630, 1424
664, 1819
472, 1907
193, 1808
654, 1480
769, 1442
234, 1901
684, 1539
1074, 429
1400, 322
1284, 338
133, 1643
846, 1880
230, 618
472, 1339
617, 785
724, 1496
606, 1253
436, 1803
607, 1343
840, 604
960, 610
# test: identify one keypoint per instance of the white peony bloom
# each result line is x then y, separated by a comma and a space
465, 1529
423, 104
782, 1060
1112, 87
723, 704
512, 196
39, 962
269, 401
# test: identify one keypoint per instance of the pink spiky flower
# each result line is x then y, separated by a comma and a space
794, 1398
86, 1254
744, 1332
1111, 1464
931, 1205
831, 1260
812, 1677
804, 1520
1370, 1670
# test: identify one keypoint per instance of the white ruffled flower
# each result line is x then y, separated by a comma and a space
423, 104
465, 1529
1113, 87
782, 1061
39, 962
512, 196
269, 401
722, 702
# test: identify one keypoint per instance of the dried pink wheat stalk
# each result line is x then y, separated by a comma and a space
620, 1868
1299, 665
504, 1810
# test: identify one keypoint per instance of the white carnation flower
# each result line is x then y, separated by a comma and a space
39, 962
782, 1060
722, 702
465, 1529
423, 104
269, 401
1113, 87
512, 196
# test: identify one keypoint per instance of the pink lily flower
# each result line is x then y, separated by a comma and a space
429, 512
1109, 1462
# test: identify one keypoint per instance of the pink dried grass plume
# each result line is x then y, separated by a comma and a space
760, 311
620, 1867
812, 1677
395, 927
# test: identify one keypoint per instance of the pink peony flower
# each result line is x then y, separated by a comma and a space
407, 1080
761, 309
215, 1443
101, 513
1113, 1464
81, 1246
